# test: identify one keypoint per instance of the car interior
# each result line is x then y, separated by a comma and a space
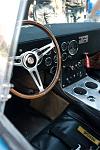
56, 86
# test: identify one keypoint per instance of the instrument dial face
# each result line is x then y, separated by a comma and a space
64, 46
73, 47
53, 70
64, 56
48, 61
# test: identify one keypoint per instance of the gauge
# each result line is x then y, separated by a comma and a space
55, 59
48, 61
64, 56
53, 70
73, 47
64, 46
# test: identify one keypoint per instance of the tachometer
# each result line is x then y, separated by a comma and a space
73, 47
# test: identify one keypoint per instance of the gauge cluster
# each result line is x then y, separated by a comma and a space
51, 61
69, 49
72, 67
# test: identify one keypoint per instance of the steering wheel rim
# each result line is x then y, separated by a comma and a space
58, 68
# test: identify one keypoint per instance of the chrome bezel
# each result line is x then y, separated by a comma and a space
46, 61
75, 49
66, 44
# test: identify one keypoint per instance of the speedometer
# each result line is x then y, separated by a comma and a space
73, 47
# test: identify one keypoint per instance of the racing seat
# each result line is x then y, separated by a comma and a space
73, 130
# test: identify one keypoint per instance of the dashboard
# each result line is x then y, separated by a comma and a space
74, 40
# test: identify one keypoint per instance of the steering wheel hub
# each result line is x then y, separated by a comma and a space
29, 60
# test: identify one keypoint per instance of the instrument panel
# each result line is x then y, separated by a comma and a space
71, 47
74, 40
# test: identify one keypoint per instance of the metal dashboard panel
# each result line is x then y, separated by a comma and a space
82, 91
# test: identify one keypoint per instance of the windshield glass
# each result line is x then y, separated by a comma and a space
63, 11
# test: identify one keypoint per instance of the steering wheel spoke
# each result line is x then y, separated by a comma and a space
37, 79
18, 61
45, 49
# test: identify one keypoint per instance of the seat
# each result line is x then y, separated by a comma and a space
72, 130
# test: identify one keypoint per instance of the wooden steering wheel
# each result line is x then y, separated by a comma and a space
29, 61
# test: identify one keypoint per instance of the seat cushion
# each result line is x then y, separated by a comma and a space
67, 133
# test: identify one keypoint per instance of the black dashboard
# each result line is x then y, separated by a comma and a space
74, 41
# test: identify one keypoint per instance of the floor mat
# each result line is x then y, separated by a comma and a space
28, 121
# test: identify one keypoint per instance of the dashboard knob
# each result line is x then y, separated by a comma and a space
72, 67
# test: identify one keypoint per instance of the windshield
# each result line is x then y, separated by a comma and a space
63, 11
